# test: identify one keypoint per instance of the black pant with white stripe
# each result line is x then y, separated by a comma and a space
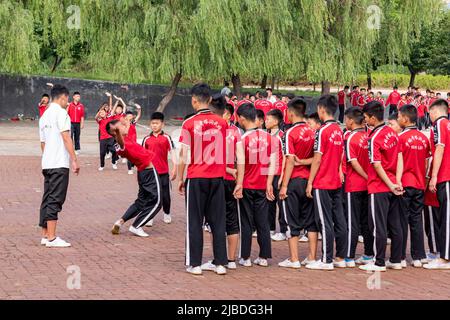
384, 209
358, 223
148, 202
75, 133
443, 193
331, 218
165, 192
411, 216
432, 224
254, 210
205, 202
273, 209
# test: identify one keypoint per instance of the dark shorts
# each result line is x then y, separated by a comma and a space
56, 182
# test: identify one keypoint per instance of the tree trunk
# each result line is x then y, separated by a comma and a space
236, 85
273, 84
326, 87
56, 63
170, 94
264, 82
413, 73
369, 81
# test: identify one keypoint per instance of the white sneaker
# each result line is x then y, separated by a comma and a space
124, 160
360, 239
319, 265
221, 270
306, 262
197, 271
167, 218
150, 223
393, 266
57, 243
261, 262
101, 169
388, 241
245, 263
417, 264
365, 260
44, 241
404, 264
272, 233
372, 267
319, 237
114, 166
116, 228
77, 152
303, 239
208, 266
207, 228
278, 237
339, 264
108, 156
350, 263
139, 232
289, 264
130, 172
437, 264
254, 234
232, 265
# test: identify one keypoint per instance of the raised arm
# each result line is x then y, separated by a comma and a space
139, 112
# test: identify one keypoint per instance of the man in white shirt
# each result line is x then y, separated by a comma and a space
270, 95
57, 153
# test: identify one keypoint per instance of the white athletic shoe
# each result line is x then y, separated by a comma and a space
393, 266
139, 232
372, 267
388, 241
44, 241
116, 228
208, 266
360, 239
278, 237
130, 172
254, 234
221, 270
417, 264
114, 166
365, 260
303, 239
207, 228
108, 156
339, 264
306, 262
289, 264
57, 243
197, 271
404, 264
124, 160
101, 169
272, 233
77, 152
437, 264
232, 265
150, 223
319, 237
245, 263
167, 218
261, 262
350, 263
319, 265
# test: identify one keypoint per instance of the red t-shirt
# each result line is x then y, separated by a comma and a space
356, 148
136, 154
258, 147
384, 147
361, 100
280, 150
300, 143
205, 133
42, 109
264, 105
240, 103
280, 105
102, 127
330, 143
160, 145
341, 97
344, 160
132, 133
440, 136
402, 103
380, 100
415, 148
421, 109
354, 98
76, 112
393, 98
233, 138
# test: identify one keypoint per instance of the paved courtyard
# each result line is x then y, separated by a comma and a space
126, 267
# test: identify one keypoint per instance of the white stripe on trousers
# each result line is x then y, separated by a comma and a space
447, 227
286, 220
157, 203
188, 256
349, 213
433, 238
240, 230
372, 208
322, 220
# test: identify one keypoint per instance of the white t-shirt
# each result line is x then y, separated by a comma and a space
54, 121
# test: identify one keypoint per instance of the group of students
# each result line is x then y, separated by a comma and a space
369, 181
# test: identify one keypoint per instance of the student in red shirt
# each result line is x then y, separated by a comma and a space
263, 104
204, 135
440, 178
43, 104
324, 186
393, 100
132, 134
297, 208
119, 109
260, 158
162, 146
106, 141
148, 202
354, 96
403, 101
385, 188
76, 114
362, 99
313, 121
415, 152
282, 106
274, 119
342, 97
357, 159
379, 98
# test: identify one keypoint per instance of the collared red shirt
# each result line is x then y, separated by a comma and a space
160, 144
356, 148
440, 136
76, 112
300, 143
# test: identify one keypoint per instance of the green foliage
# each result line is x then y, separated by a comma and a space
387, 80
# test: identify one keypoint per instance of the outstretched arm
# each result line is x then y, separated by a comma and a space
139, 112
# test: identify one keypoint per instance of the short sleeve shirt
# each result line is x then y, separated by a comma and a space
440, 136
299, 142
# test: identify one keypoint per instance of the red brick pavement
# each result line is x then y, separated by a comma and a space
126, 267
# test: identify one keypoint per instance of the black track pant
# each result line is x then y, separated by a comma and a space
56, 182
330, 216
411, 218
148, 202
107, 145
341, 113
392, 109
254, 210
357, 210
166, 186
443, 193
75, 133
432, 225
205, 202
384, 210
232, 218
298, 209
130, 165
273, 209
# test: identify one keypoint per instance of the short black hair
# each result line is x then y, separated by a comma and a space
59, 90
346, 87
315, 117
76, 93
218, 103
393, 116
109, 125
157, 116
440, 103
355, 114
229, 108
374, 109
129, 112
410, 112
260, 114
247, 111
395, 87
277, 114
269, 89
329, 103
202, 92
45, 96
226, 83
263, 94
298, 106
290, 96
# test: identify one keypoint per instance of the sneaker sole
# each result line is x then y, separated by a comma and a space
286, 267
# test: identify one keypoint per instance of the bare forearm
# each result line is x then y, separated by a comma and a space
399, 174
357, 167
315, 165
437, 161
42, 146
382, 174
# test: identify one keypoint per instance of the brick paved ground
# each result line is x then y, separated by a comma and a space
126, 267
